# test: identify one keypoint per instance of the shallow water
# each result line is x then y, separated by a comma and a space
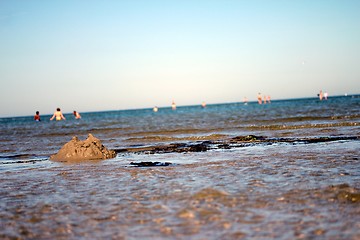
262, 190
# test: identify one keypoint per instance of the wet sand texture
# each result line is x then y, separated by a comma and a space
89, 149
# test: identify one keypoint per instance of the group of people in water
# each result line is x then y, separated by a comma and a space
263, 99
58, 116
173, 106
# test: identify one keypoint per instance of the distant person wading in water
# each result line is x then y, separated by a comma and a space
37, 116
77, 115
58, 115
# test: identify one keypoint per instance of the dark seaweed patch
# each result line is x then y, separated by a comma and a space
24, 161
150, 164
236, 142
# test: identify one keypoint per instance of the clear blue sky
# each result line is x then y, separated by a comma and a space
108, 55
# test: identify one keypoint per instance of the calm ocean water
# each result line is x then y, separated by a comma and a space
22, 138
282, 190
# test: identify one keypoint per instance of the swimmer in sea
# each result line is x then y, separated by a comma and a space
325, 95
37, 116
269, 99
321, 95
58, 115
77, 115
245, 100
259, 98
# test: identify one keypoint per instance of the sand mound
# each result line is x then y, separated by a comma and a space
90, 149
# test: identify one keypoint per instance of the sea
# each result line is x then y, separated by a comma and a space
288, 169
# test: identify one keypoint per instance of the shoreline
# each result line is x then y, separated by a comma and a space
210, 144
302, 187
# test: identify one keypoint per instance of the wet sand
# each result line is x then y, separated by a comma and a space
238, 188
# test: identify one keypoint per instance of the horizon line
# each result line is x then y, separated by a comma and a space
181, 106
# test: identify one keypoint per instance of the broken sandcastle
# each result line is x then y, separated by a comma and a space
89, 149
